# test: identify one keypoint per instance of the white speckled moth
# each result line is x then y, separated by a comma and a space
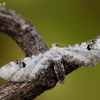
29, 68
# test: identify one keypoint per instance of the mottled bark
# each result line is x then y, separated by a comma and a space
27, 37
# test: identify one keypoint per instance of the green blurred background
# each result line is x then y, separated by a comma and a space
60, 21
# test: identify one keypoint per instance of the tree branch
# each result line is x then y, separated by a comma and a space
27, 37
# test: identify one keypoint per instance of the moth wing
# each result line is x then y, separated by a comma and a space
22, 70
84, 54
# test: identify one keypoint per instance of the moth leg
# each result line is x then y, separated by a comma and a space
59, 71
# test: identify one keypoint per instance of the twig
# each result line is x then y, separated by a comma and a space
27, 37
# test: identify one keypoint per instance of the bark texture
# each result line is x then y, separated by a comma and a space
28, 38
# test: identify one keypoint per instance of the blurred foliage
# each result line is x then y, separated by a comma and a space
64, 21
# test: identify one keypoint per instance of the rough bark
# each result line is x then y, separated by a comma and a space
27, 37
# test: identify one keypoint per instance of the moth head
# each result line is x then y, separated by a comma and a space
54, 45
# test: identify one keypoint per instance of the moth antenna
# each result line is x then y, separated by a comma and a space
61, 44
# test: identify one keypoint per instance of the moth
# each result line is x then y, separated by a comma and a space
30, 68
